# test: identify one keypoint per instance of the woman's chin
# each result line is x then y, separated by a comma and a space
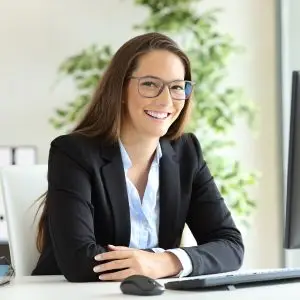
157, 132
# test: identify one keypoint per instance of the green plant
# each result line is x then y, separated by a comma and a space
216, 107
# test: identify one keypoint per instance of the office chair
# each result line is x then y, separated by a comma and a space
21, 186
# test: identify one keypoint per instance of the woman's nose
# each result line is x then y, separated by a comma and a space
164, 98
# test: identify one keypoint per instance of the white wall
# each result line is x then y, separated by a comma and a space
290, 42
38, 35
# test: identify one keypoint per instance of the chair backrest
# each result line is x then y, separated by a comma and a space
21, 186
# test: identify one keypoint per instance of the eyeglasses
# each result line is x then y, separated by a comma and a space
151, 87
6, 271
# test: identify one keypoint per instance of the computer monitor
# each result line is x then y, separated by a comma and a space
292, 221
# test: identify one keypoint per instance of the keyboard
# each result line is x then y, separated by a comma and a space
236, 278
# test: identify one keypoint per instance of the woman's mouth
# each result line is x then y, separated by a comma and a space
157, 115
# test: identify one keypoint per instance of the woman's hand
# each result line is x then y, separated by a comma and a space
136, 262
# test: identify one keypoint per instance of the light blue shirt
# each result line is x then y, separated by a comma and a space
144, 213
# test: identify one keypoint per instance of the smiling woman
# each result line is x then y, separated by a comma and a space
123, 184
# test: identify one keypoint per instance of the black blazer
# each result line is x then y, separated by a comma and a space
88, 207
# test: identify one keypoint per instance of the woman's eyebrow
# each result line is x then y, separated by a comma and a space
156, 77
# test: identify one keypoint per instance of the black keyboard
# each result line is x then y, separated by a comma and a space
233, 279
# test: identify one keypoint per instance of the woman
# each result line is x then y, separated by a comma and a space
123, 184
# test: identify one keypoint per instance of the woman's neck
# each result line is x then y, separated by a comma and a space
140, 150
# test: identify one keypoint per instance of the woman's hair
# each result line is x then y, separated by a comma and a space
104, 113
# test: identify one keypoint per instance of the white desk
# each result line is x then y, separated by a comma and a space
56, 287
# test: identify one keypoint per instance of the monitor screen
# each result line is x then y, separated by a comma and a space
6, 272
292, 222
3, 270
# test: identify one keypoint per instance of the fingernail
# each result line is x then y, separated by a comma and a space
98, 257
111, 245
96, 269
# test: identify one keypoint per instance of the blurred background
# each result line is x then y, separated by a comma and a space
53, 53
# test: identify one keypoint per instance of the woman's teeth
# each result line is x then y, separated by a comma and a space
157, 115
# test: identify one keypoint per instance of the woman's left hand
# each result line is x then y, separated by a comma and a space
136, 262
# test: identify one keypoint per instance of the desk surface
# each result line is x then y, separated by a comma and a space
56, 287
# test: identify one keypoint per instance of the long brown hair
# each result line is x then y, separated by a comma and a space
103, 115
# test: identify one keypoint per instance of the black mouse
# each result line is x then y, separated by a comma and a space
141, 285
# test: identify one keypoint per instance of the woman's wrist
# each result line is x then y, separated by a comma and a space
170, 265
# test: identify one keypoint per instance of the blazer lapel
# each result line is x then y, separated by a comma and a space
169, 187
115, 184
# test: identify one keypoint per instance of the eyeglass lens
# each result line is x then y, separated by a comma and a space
152, 87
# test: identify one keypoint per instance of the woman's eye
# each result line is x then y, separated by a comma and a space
149, 84
177, 87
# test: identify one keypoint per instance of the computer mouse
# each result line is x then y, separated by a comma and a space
141, 285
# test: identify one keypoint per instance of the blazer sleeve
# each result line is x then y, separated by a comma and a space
220, 246
70, 212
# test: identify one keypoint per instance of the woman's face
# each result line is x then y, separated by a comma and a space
148, 113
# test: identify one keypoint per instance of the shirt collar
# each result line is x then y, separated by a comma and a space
126, 159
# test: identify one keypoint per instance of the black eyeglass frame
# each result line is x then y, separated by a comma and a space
10, 272
164, 84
